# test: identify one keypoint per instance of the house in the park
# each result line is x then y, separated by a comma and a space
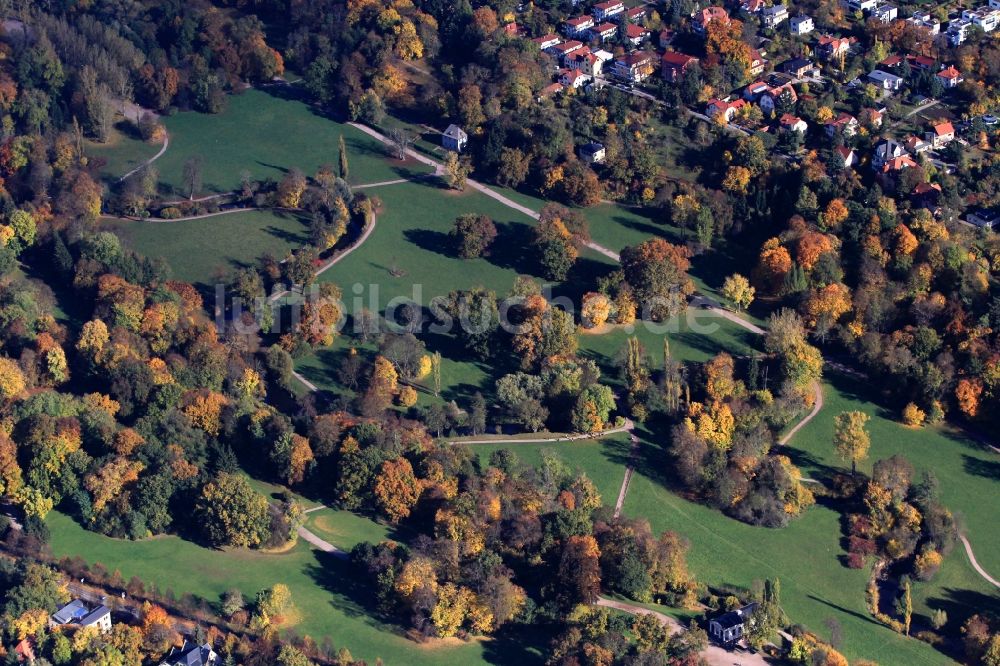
801, 24
729, 627
454, 138
757, 63
191, 654
593, 153
78, 613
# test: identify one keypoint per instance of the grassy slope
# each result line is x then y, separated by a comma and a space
120, 154
266, 136
197, 249
602, 460
332, 600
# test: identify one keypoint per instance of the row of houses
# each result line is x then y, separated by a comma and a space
601, 15
987, 18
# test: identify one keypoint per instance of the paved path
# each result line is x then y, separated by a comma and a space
975, 565
629, 471
381, 184
738, 320
322, 544
817, 406
163, 149
629, 425
308, 384
713, 654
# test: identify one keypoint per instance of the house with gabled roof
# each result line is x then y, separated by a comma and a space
848, 155
791, 123
547, 41
636, 14
752, 6
454, 138
705, 16
949, 77
584, 60
773, 16
757, 63
604, 31
674, 64
77, 613
941, 134
560, 51
916, 145
828, 48
604, 10
573, 78
729, 627
578, 25
845, 123
191, 654
634, 67
769, 100
635, 34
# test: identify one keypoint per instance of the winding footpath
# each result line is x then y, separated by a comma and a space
146, 163
975, 564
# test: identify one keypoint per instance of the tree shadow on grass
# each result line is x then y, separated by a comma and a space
519, 645
649, 226
861, 616
979, 467
513, 248
432, 241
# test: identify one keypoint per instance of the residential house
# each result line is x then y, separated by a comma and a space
885, 80
673, 65
547, 41
454, 138
753, 92
729, 627
845, 123
797, 67
561, 51
511, 29
769, 100
926, 195
871, 117
550, 90
885, 152
958, 31
941, 134
984, 218
604, 31
891, 62
859, 5
585, 61
916, 145
593, 153
801, 24
994, 4
634, 67
949, 77
604, 10
636, 34
886, 13
705, 16
757, 63
78, 614
848, 155
25, 651
191, 654
773, 16
926, 21
919, 62
791, 123
573, 78
985, 18
604, 56
830, 48
752, 6
577, 26
636, 14
722, 108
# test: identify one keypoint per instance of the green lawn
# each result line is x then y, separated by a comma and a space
332, 599
266, 135
198, 251
968, 474
346, 529
602, 460
121, 153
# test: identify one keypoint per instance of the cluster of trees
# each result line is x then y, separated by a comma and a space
502, 542
722, 444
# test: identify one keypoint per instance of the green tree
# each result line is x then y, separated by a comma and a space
850, 437
231, 513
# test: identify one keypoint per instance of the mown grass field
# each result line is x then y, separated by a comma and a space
331, 598
201, 250
968, 473
266, 135
121, 153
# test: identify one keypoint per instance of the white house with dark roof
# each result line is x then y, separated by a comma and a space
771, 17
78, 614
801, 24
191, 654
454, 138
729, 627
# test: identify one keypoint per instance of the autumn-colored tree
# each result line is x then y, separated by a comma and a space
738, 291
773, 265
719, 381
12, 382
579, 573
850, 437
396, 489
382, 385
291, 188
834, 214
657, 272
913, 416
110, 480
555, 247
811, 246
473, 235
827, 304
967, 394
595, 309
737, 179
204, 410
